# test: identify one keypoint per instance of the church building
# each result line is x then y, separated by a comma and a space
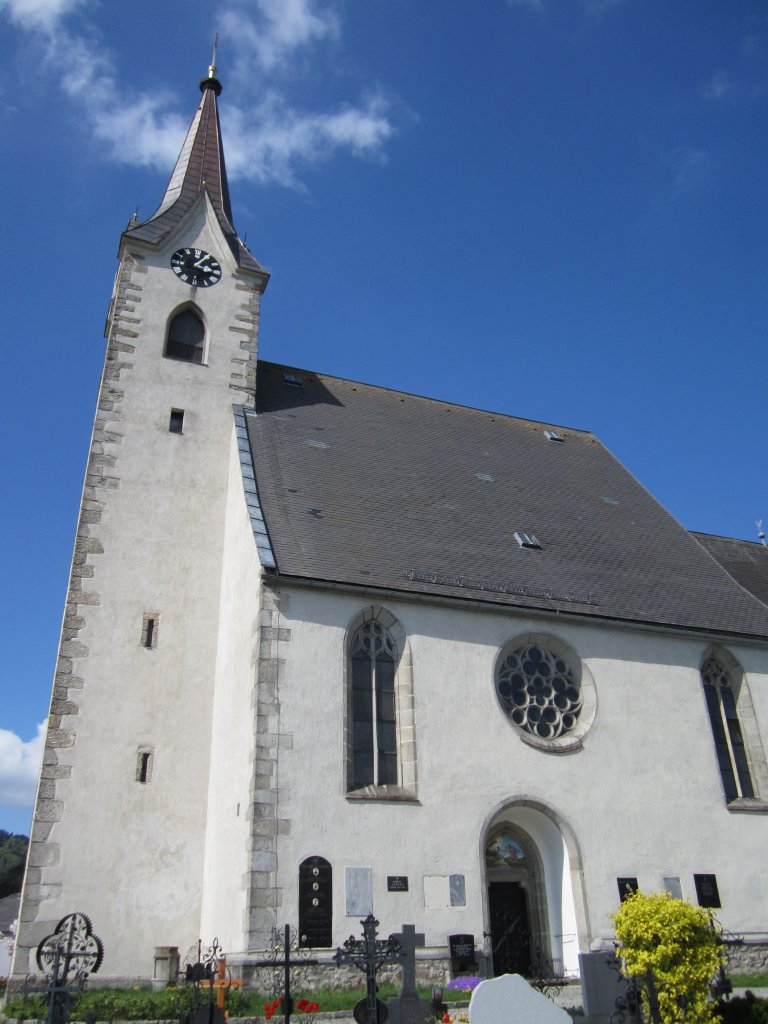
331, 649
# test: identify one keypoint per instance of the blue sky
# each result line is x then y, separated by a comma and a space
551, 208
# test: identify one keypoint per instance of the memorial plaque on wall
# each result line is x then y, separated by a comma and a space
706, 890
626, 887
315, 903
462, 949
397, 883
358, 885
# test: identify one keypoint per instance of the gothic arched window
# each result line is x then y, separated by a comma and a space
381, 751
374, 721
186, 337
722, 695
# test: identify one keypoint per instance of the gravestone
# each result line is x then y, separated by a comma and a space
601, 986
408, 1008
462, 949
511, 1000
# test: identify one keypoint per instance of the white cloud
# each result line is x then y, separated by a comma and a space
718, 86
19, 767
270, 142
39, 14
280, 29
273, 143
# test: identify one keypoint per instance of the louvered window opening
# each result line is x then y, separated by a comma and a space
374, 720
726, 731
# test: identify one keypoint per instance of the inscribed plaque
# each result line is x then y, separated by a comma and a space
671, 884
458, 890
358, 884
436, 891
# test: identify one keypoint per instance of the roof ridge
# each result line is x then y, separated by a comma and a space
427, 398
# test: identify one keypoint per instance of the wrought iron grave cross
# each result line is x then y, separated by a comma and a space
287, 964
67, 957
370, 954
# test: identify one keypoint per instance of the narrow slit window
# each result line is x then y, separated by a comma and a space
149, 631
145, 757
176, 422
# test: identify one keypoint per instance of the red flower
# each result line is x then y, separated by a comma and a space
446, 1018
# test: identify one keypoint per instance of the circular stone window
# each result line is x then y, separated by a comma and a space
541, 692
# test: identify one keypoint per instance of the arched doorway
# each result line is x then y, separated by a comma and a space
533, 886
516, 900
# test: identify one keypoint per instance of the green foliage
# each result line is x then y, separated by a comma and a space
113, 1004
674, 943
744, 1010
13, 854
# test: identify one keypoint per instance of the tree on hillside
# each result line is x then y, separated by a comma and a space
13, 854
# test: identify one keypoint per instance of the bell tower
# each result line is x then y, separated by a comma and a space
130, 729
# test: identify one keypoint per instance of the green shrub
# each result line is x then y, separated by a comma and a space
674, 943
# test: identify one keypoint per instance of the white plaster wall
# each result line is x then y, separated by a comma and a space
643, 797
132, 855
227, 848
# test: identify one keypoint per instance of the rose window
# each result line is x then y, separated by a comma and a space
538, 691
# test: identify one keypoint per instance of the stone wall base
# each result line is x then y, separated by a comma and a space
432, 971
749, 958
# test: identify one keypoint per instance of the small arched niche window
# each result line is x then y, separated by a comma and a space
186, 337
732, 718
381, 750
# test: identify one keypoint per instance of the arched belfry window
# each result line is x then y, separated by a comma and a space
731, 717
186, 337
381, 749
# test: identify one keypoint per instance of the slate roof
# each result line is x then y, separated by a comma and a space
377, 488
200, 167
745, 560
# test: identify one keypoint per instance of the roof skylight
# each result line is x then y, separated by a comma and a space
527, 540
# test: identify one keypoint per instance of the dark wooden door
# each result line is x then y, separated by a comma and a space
510, 937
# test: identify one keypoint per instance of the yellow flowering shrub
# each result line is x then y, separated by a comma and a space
673, 944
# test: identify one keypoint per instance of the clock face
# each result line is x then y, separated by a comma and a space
196, 267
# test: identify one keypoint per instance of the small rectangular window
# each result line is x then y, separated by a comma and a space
145, 757
293, 380
176, 422
553, 435
149, 631
527, 540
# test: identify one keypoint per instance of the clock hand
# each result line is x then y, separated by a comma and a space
199, 264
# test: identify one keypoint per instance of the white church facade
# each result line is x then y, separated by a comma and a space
331, 649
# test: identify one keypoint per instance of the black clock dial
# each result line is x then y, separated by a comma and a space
196, 267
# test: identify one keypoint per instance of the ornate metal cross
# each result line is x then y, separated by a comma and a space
67, 958
287, 964
370, 954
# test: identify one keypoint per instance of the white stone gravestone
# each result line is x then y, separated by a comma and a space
511, 1000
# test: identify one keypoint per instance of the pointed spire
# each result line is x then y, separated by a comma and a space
199, 168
